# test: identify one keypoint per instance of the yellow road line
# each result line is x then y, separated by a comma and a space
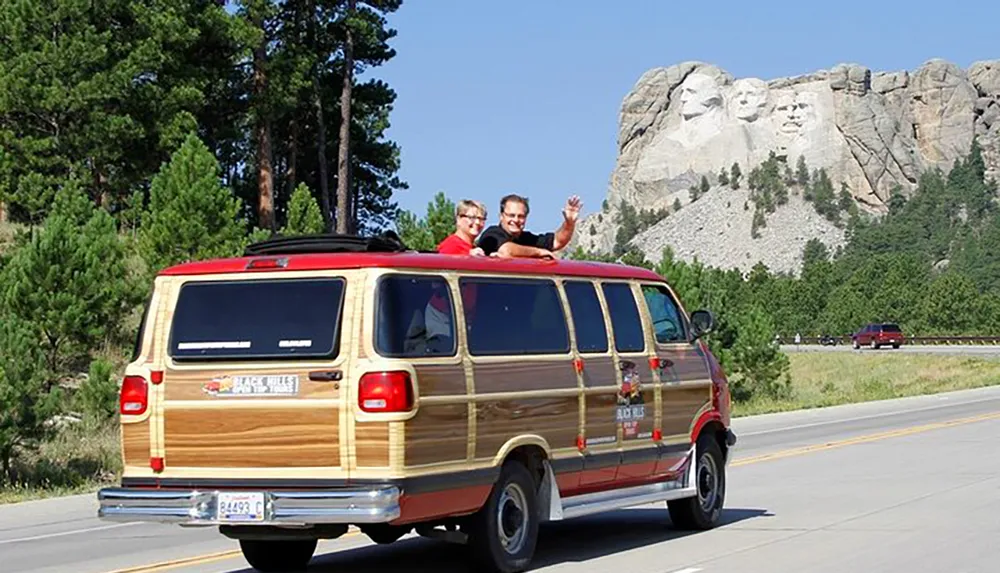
198, 559
168, 565
213, 557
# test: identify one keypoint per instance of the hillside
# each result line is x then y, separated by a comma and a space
873, 134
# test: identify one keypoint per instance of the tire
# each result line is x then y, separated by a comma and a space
703, 510
896, 346
874, 345
856, 345
504, 532
278, 554
383, 533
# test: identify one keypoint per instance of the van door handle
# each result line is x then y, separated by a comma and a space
326, 375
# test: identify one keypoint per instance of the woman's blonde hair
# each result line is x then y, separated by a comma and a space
466, 204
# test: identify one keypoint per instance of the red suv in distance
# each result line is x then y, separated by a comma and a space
877, 335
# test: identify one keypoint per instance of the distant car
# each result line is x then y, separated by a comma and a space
827, 340
877, 335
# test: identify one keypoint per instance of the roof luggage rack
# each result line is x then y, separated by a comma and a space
387, 242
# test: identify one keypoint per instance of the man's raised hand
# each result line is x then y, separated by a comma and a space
571, 212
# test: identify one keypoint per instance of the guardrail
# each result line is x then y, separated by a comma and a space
911, 340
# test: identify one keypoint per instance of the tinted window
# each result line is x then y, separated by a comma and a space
666, 317
625, 323
415, 317
890, 328
294, 318
514, 316
588, 318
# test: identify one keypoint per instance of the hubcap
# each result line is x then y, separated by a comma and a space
708, 482
512, 518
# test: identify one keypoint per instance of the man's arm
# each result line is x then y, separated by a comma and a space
571, 212
491, 240
511, 249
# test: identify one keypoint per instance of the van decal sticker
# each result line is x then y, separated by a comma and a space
213, 345
631, 406
240, 386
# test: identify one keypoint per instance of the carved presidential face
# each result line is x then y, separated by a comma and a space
699, 94
749, 98
796, 113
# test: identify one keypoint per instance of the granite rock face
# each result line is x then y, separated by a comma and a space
872, 132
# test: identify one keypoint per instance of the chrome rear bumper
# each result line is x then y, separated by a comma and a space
292, 508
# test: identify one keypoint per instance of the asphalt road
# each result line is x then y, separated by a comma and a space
979, 351
910, 485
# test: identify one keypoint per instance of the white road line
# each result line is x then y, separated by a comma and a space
65, 533
869, 417
688, 570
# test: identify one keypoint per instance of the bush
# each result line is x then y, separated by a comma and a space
762, 367
97, 397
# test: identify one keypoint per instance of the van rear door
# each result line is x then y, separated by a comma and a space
253, 376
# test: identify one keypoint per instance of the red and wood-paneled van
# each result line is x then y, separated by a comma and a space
288, 394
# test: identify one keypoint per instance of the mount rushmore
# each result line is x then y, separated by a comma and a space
871, 132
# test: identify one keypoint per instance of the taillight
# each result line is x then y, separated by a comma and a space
385, 392
134, 396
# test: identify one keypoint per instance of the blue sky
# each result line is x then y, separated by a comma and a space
523, 95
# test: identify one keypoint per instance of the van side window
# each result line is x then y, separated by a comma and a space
625, 322
588, 318
514, 316
666, 317
414, 317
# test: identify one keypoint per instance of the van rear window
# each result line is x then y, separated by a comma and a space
265, 319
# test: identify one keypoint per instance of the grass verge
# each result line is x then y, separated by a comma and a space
831, 378
78, 459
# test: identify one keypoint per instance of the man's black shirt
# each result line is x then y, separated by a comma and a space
493, 237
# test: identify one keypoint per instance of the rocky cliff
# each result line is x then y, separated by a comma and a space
871, 132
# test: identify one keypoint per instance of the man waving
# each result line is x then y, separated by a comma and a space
509, 239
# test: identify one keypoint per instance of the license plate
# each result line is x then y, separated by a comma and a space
241, 506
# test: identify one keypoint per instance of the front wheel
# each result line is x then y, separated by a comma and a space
703, 510
272, 555
503, 533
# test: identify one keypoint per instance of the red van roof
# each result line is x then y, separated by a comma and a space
423, 261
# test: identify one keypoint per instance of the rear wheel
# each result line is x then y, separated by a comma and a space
896, 346
278, 554
503, 533
703, 510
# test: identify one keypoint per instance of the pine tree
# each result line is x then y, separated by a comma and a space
25, 404
704, 186
191, 216
763, 368
304, 216
724, 177
424, 234
734, 176
70, 282
802, 172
